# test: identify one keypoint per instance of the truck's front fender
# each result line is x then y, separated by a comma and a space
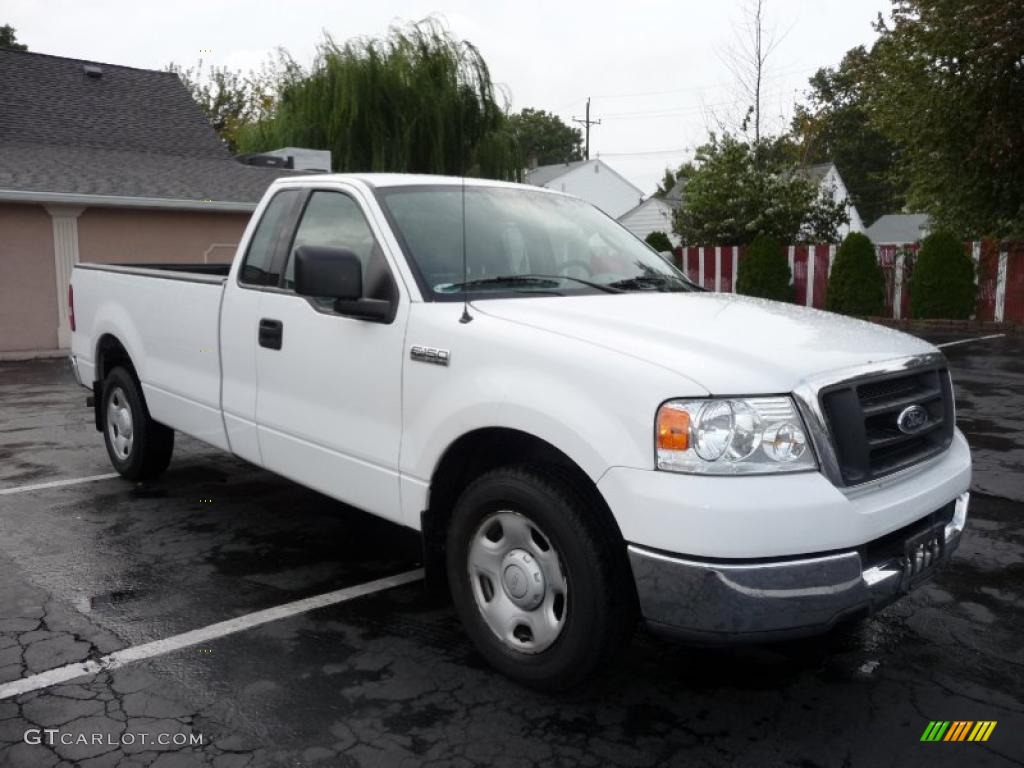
593, 404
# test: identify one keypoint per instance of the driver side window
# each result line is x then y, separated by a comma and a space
334, 219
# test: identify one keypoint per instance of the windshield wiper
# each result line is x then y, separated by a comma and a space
652, 281
590, 283
502, 280
530, 280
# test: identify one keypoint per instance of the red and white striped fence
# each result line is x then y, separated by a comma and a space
999, 266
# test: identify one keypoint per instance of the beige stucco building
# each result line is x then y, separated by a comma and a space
40, 243
101, 163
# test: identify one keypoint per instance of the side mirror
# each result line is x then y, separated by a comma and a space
333, 272
337, 273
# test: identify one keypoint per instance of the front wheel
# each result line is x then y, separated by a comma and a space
537, 577
139, 448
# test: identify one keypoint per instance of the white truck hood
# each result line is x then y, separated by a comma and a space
728, 344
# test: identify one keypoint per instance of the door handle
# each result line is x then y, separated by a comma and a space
271, 333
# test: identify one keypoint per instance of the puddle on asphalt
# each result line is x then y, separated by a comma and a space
111, 599
149, 492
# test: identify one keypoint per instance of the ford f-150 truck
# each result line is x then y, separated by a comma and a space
581, 434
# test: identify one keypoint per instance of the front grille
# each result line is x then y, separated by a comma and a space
863, 418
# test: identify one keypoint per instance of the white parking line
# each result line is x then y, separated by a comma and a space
968, 341
57, 483
202, 635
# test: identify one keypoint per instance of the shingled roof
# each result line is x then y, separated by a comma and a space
126, 133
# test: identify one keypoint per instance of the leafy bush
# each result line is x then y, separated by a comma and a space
856, 285
942, 284
658, 241
764, 271
739, 189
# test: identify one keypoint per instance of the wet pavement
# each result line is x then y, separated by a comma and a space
390, 680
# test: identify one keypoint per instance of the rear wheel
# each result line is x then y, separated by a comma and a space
536, 577
139, 448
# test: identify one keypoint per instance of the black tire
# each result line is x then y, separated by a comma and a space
151, 443
600, 602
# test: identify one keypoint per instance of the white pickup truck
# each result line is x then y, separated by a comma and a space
581, 434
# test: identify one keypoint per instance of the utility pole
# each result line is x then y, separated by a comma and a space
587, 122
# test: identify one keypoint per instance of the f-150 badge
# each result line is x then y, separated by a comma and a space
430, 355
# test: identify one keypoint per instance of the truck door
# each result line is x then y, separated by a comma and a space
329, 386
260, 267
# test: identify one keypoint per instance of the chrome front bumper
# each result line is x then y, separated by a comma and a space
721, 602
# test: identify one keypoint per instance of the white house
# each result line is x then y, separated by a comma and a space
655, 214
829, 182
652, 215
593, 180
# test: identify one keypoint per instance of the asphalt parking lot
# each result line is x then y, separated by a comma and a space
388, 679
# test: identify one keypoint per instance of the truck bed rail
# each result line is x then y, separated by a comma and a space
193, 273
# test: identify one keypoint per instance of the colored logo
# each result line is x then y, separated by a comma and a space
912, 419
958, 730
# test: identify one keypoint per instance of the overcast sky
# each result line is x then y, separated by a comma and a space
656, 69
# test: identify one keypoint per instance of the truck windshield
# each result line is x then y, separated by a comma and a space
520, 242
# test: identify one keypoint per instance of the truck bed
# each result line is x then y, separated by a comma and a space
167, 318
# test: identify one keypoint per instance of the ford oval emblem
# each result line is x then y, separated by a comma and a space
912, 419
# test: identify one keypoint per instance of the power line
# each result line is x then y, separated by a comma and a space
676, 151
688, 89
572, 103
672, 111
663, 113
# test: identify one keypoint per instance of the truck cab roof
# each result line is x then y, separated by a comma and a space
383, 180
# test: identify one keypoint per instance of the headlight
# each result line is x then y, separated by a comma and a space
732, 436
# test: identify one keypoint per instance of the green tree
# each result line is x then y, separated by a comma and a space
942, 283
671, 177
823, 219
834, 126
948, 88
9, 40
228, 98
543, 137
667, 182
738, 190
417, 100
856, 285
764, 271
659, 241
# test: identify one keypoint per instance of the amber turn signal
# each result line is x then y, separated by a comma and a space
673, 429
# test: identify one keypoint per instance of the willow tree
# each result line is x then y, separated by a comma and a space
418, 100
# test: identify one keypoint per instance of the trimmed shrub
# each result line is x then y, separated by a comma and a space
658, 241
942, 283
856, 285
764, 271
